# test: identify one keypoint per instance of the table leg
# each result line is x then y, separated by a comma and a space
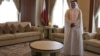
45, 54
58, 54
33, 53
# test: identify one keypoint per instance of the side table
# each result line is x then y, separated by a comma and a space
47, 31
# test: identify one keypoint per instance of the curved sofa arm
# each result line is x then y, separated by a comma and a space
38, 29
87, 35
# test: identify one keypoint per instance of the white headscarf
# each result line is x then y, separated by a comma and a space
76, 5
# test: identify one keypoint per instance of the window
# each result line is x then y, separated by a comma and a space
99, 20
59, 13
8, 11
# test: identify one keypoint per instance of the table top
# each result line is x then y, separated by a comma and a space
46, 45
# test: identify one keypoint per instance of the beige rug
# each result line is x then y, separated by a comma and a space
23, 49
16, 50
87, 53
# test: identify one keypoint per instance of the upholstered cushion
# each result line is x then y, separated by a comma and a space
61, 35
20, 28
27, 28
33, 28
87, 35
36, 29
97, 36
13, 29
59, 30
6, 37
92, 42
6, 29
26, 34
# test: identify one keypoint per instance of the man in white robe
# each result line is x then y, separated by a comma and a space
73, 42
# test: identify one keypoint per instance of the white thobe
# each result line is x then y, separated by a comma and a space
73, 42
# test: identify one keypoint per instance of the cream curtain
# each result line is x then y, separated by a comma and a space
95, 17
0, 2
68, 1
17, 4
51, 4
96, 8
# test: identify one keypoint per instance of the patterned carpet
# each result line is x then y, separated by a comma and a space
16, 50
23, 49
87, 53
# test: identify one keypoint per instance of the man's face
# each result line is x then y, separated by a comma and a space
73, 4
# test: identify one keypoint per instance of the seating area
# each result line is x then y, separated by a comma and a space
57, 34
15, 32
32, 27
91, 41
23, 32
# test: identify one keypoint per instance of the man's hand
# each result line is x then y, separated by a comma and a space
72, 25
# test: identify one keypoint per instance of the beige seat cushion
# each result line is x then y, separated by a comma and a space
26, 34
61, 35
93, 42
59, 30
7, 37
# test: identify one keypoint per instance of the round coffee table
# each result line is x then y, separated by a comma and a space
46, 47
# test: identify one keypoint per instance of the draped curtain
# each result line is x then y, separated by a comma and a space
68, 1
28, 11
50, 5
95, 16
0, 2
39, 8
50, 9
17, 2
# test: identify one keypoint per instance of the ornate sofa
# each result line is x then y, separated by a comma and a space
18, 32
57, 34
92, 42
